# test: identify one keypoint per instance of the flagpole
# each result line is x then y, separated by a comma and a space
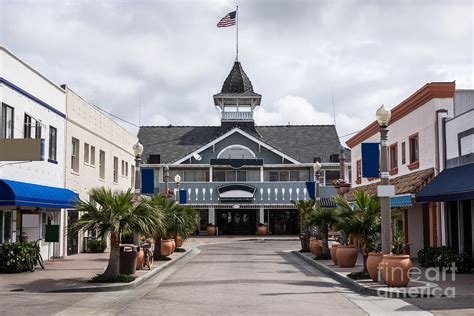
237, 33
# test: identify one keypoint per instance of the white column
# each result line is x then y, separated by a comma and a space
262, 215
212, 217
261, 174
62, 232
210, 173
14, 226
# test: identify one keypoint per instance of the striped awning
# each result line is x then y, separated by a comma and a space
399, 201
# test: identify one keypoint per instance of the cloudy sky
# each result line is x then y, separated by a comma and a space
298, 54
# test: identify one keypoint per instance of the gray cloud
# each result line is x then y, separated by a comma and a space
367, 52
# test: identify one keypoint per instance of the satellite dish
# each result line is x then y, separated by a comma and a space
197, 156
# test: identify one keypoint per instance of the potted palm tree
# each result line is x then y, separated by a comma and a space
167, 206
304, 208
116, 213
323, 219
360, 220
395, 267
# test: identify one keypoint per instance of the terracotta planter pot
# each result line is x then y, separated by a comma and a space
395, 270
140, 259
173, 242
179, 241
166, 247
211, 230
373, 261
346, 256
315, 247
262, 230
342, 188
333, 253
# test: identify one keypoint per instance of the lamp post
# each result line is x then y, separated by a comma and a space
177, 180
138, 151
383, 118
317, 169
342, 160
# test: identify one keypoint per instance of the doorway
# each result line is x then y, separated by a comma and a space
72, 239
237, 222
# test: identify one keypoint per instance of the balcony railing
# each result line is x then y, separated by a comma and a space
265, 193
237, 116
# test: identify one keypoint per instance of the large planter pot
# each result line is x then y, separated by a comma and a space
179, 241
315, 247
173, 242
140, 258
373, 261
211, 230
333, 253
342, 188
166, 247
346, 256
262, 230
395, 270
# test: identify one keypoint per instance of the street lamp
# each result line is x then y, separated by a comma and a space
383, 118
138, 151
317, 169
177, 180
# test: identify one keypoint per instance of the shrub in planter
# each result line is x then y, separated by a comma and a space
96, 245
444, 257
13, 257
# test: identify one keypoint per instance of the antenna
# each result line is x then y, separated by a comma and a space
139, 104
333, 106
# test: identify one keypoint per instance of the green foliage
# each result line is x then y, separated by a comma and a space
444, 257
361, 275
120, 278
180, 220
96, 245
397, 243
13, 257
304, 209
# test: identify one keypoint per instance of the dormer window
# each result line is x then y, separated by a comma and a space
236, 152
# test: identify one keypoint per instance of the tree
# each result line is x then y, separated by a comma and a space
116, 213
360, 219
304, 209
324, 219
181, 221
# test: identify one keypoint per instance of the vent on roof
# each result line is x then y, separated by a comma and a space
334, 158
154, 158
316, 159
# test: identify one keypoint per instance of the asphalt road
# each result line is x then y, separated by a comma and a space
233, 278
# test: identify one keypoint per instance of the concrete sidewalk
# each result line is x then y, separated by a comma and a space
427, 284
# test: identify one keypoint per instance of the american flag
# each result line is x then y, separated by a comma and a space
228, 20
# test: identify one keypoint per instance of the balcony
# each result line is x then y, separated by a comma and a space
266, 193
237, 116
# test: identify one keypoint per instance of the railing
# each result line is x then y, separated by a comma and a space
238, 116
265, 193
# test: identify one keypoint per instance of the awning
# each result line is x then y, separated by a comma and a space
450, 185
15, 193
401, 201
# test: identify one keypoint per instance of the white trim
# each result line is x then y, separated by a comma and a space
237, 146
241, 132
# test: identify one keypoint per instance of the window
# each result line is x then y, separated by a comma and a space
403, 154
132, 176
194, 176
6, 121
27, 126
92, 161
273, 176
38, 129
393, 159
231, 176
241, 175
5, 226
86, 153
218, 176
294, 175
466, 142
101, 164
126, 168
122, 170
331, 176
115, 171
236, 152
414, 152
359, 171
53, 142
75, 154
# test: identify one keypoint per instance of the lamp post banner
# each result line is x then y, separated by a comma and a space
370, 160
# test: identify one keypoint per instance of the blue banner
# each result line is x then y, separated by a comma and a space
148, 180
183, 196
370, 160
311, 187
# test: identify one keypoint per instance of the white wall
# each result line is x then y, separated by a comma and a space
455, 126
421, 121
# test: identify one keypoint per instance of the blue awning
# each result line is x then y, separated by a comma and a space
15, 193
401, 201
450, 185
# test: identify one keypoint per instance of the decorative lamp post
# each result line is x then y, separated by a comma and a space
166, 178
383, 118
317, 169
177, 180
138, 151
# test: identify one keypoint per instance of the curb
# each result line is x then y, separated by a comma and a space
127, 286
356, 286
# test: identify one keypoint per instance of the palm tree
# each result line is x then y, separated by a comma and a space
323, 218
116, 213
304, 208
168, 207
360, 219
181, 221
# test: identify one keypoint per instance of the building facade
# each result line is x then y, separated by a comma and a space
99, 153
239, 174
415, 158
32, 193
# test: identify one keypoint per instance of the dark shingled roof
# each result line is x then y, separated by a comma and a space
301, 142
237, 81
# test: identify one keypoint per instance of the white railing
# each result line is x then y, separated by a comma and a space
239, 116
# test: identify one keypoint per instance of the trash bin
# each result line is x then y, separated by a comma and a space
128, 259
